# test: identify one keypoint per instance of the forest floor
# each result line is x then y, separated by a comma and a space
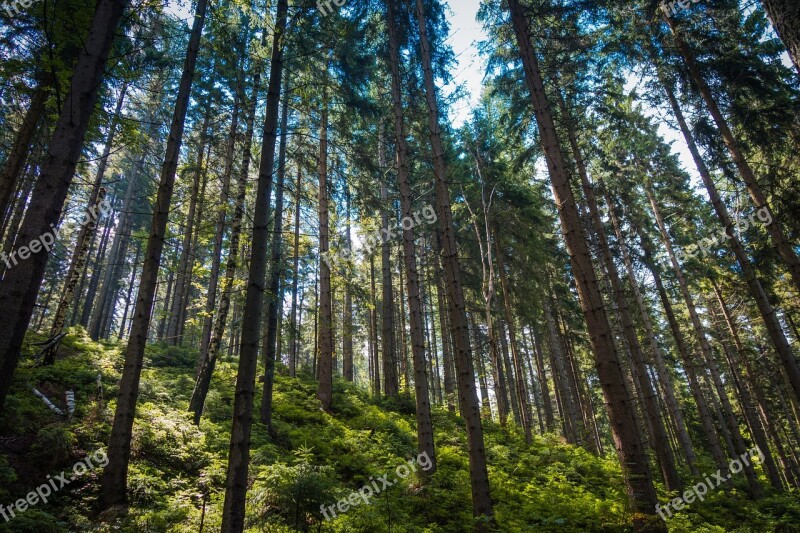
177, 474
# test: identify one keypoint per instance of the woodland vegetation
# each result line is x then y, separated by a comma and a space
247, 255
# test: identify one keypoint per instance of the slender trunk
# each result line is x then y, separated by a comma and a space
347, 323
748, 272
550, 423
390, 385
274, 293
21, 285
569, 412
630, 449
131, 283
774, 227
294, 331
373, 330
115, 476
481, 499
424, 425
325, 371
239, 452
15, 161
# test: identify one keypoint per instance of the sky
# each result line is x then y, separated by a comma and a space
465, 33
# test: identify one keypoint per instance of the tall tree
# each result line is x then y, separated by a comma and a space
624, 426
470, 408
21, 285
236, 483
114, 482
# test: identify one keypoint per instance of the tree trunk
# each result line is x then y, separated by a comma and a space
274, 294
620, 408
424, 425
347, 323
21, 285
325, 371
15, 161
115, 476
774, 228
390, 385
294, 331
239, 452
481, 499
785, 17
373, 330
134, 265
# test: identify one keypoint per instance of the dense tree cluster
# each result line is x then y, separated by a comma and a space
264, 167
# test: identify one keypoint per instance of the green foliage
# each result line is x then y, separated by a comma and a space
177, 470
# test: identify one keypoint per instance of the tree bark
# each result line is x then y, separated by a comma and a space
785, 17
274, 294
294, 331
481, 499
424, 425
239, 452
115, 476
630, 449
325, 368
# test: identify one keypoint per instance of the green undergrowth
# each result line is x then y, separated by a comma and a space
177, 471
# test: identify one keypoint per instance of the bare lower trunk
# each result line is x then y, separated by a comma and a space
325, 353
274, 293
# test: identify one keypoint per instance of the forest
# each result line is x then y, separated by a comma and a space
400, 266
